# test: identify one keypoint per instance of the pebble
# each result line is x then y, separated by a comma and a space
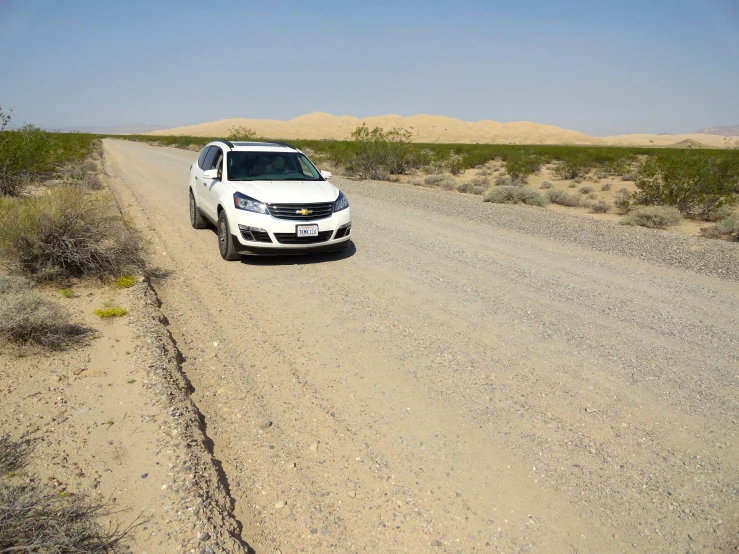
144, 475
265, 425
280, 504
351, 494
205, 537
314, 446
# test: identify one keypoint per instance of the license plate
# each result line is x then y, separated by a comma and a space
307, 230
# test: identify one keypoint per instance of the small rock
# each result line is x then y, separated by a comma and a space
351, 494
265, 425
280, 504
314, 446
144, 475
205, 537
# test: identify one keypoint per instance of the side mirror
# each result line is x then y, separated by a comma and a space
211, 174
326, 174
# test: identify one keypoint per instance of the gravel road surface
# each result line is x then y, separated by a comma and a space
467, 378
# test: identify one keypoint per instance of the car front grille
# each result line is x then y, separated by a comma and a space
292, 238
292, 211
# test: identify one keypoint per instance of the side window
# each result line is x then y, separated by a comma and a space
218, 161
203, 154
210, 158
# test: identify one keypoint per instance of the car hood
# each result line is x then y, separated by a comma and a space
288, 192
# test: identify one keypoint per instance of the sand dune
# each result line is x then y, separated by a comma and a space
432, 128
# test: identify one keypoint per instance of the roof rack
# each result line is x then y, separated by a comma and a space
226, 142
287, 144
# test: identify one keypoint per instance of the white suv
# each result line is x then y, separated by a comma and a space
266, 198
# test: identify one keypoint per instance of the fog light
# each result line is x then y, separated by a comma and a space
247, 232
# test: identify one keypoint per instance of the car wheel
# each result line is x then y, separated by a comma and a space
196, 218
225, 240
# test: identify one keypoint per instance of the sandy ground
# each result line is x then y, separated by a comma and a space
468, 378
430, 129
112, 421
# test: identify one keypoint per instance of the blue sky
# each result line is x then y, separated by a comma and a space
600, 67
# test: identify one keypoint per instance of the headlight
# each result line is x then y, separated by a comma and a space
341, 203
243, 202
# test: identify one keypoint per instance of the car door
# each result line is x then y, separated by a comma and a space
208, 193
196, 175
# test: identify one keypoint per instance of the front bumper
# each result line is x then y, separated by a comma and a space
280, 236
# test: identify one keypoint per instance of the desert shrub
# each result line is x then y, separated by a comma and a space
719, 213
695, 185
654, 217
28, 318
30, 153
67, 232
240, 132
446, 182
478, 185
515, 195
546, 185
417, 181
558, 196
378, 153
586, 190
472, 188
68, 293
575, 167
35, 518
600, 207
725, 228
623, 200
572, 185
503, 181
10, 284
605, 187
14, 455
454, 163
631, 175
521, 164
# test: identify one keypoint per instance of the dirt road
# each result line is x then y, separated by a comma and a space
468, 378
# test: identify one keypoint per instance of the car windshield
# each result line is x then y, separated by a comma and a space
270, 166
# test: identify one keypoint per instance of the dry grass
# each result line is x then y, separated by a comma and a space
653, 217
67, 232
30, 319
558, 196
727, 228
14, 455
600, 207
515, 195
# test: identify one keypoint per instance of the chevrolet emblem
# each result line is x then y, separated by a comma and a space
304, 211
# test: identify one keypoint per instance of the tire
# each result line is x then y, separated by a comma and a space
225, 239
196, 218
